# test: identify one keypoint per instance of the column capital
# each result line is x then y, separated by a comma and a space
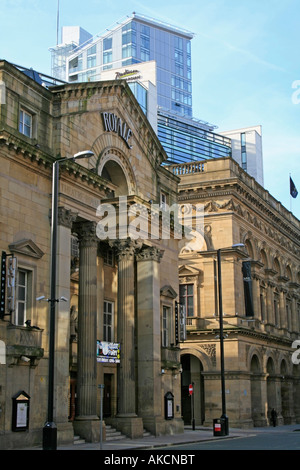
127, 248
66, 217
86, 232
150, 253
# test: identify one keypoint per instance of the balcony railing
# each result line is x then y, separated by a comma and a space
187, 168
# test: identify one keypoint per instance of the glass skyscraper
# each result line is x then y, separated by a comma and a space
138, 40
135, 40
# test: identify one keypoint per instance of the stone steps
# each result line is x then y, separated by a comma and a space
78, 440
112, 434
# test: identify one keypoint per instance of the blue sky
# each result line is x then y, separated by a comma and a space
245, 60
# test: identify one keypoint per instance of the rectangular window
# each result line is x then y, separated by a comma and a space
163, 200
128, 51
276, 310
108, 257
166, 327
107, 44
145, 54
262, 307
178, 56
145, 30
108, 321
25, 123
178, 42
243, 151
91, 57
107, 57
23, 297
186, 294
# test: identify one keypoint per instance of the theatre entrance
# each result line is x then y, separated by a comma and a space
192, 405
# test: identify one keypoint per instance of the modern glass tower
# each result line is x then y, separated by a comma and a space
138, 40
135, 40
141, 46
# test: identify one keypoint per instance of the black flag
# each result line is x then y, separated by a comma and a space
293, 189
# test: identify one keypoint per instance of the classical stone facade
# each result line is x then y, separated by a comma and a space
117, 289
261, 298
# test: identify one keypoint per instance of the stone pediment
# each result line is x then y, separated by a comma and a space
26, 247
186, 270
168, 291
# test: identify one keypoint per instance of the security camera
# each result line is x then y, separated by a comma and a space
64, 299
40, 298
25, 359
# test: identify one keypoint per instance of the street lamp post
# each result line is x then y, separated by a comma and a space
50, 429
223, 416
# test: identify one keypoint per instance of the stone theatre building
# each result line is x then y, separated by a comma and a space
115, 295
259, 242
120, 291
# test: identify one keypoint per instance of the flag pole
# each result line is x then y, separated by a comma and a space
290, 194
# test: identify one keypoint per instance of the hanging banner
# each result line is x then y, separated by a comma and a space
246, 269
180, 323
3, 282
108, 352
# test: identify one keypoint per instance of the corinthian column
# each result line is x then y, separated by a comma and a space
149, 339
126, 419
85, 422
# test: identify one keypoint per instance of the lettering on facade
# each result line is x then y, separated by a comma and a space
128, 75
113, 123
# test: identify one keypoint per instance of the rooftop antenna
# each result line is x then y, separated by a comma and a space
57, 22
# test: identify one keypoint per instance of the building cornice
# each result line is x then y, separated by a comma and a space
31, 154
240, 199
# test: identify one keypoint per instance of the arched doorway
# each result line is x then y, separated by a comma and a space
285, 387
113, 172
271, 387
256, 402
192, 373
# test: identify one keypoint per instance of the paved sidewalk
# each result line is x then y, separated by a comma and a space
189, 436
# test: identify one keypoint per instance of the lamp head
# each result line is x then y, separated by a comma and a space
83, 154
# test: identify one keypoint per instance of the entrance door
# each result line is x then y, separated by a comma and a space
107, 395
185, 397
191, 374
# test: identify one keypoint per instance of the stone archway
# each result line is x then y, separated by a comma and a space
256, 398
114, 165
113, 172
192, 373
271, 387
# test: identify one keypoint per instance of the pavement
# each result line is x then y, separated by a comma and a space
188, 436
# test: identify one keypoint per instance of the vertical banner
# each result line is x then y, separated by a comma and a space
180, 323
3, 284
246, 269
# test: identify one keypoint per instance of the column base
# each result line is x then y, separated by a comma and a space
87, 427
159, 426
131, 426
65, 433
